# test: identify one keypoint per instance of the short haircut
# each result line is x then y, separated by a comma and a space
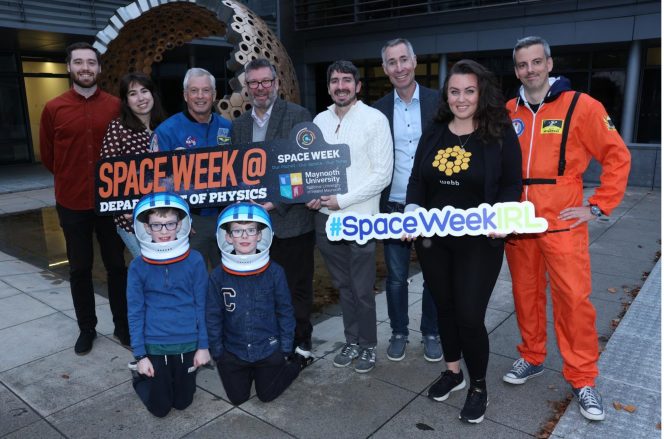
259, 226
144, 217
396, 42
531, 41
78, 46
197, 72
343, 66
260, 63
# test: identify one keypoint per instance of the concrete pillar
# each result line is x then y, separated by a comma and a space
442, 69
631, 92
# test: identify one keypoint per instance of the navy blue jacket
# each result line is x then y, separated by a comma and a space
250, 316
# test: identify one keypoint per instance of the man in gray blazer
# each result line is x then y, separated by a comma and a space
409, 108
293, 224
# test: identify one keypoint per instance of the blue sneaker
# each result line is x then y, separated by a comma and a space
590, 403
522, 371
433, 351
396, 351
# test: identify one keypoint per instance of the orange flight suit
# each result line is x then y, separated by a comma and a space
562, 253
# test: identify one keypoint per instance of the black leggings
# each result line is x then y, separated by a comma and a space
461, 273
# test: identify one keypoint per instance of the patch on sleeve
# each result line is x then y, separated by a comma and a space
609, 123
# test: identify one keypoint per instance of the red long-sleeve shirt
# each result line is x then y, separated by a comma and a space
71, 131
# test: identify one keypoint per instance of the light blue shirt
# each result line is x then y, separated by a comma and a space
407, 123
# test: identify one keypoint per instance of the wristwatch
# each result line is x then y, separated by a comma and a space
595, 210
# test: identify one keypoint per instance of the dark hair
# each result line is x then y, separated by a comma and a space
78, 46
260, 63
227, 226
144, 217
127, 117
343, 66
531, 41
491, 116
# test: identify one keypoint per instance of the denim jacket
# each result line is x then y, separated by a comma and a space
250, 316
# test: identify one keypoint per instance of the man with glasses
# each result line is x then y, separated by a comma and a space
293, 243
409, 109
197, 127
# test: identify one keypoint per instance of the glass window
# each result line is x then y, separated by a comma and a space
45, 67
649, 128
14, 146
7, 62
609, 89
613, 59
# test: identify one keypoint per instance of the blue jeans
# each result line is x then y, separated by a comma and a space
397, 260
130, 241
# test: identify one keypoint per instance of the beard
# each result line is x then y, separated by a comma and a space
89, 84
351, 100
272, 96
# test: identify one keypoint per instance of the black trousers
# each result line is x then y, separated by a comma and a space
172, 385
271, 376
78, 227
461, 273
296, 256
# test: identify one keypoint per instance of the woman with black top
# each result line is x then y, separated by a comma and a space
470, 155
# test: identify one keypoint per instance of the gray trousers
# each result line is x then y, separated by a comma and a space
353, 271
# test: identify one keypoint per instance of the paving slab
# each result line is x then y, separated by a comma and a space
602, 282
58, 298
504, 340
642, 424
413, 373
605, 312
349, 404
5, 257
328, 337
14, 266
501, 297
119, 413
35, 281
14, 413
423, 418
627, 250
44, 336
7, 290
57, 381
614, 265
238, 424
105, 325
40, 429
21, 308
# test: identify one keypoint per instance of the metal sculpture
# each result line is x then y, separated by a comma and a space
139, 33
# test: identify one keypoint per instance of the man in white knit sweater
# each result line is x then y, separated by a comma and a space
353, 267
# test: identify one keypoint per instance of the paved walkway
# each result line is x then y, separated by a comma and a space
47, 391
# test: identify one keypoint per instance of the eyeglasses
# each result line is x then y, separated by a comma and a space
237, 233
158, 227
265, 83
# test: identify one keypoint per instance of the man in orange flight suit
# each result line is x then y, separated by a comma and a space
553, 182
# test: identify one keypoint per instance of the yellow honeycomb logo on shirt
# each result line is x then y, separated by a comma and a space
452, 160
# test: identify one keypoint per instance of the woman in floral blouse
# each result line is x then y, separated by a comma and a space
140, 113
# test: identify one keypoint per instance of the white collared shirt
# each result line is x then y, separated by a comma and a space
262, 121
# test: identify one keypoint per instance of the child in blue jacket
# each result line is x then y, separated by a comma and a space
166, 291
249, 314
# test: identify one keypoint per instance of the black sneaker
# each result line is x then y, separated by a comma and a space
475, 406
84, 343
301, 360
446, 384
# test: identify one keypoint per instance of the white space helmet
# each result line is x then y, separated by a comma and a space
162, 252
244, 264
